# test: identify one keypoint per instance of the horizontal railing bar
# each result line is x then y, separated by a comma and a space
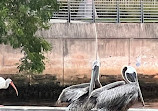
130, 7
131, 21
78, 15
81, 18
64, 6
151, 7
126, 11
81, 12
125, 5
130, 4
64, 9
129, 15
107, 13
106, 9
80, 6
79, 2
81, 9
150, 18
106, 21
151, 10
118, 1
130, 12
149, 3
103, 4
129, 18
148, 21
105, 18
150, 13
112, 1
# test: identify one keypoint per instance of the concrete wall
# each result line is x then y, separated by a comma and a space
74, 49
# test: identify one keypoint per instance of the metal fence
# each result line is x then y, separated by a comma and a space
108, 11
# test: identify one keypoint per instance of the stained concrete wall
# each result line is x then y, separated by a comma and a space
74, 49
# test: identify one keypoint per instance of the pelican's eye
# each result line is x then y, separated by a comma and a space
131, 77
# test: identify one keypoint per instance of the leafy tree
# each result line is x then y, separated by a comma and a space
19, 21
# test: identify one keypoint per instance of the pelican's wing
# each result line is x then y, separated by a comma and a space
107, 87
118, 98
72, 93
96, 93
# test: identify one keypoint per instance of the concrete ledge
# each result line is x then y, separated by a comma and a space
31, 108
36, 108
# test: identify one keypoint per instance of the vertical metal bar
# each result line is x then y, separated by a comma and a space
63, 59
142, 13
129, 53
93, 11
118, 12
69, 12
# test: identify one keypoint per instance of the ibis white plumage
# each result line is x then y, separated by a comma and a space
4, 84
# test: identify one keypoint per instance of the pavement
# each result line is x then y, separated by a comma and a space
38, 108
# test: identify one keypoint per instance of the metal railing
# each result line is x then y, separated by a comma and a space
108, 11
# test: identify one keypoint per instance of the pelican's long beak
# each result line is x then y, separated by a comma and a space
92, 82
94, 75
12, 84
140, 94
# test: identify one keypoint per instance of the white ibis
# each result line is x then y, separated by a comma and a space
4, 84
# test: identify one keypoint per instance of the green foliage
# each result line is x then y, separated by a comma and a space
19, 21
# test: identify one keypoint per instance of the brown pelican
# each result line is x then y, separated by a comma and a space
117, 96
76, 95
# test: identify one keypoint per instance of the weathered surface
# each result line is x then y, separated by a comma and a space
74, 50
37, 108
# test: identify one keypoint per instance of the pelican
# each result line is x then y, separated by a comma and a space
76, 95
4, 84
118, 96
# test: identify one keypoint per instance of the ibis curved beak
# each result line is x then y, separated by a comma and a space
12, 84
